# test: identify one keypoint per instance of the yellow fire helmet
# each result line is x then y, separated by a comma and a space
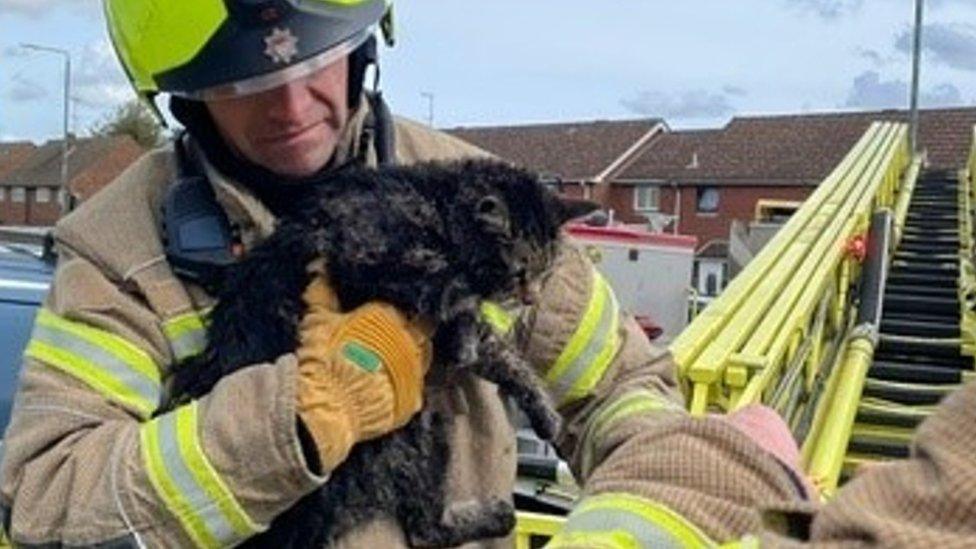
213, 49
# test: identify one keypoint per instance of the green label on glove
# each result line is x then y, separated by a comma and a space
362, 356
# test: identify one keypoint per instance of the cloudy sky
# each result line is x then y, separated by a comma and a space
695, 62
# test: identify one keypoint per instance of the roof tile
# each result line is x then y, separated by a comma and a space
791, 149
577, 151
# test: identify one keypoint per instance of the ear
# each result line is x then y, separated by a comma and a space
492, 214
571, 208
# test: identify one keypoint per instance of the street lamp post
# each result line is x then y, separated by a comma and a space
66, 203
916, 64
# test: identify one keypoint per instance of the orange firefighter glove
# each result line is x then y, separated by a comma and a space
361, 373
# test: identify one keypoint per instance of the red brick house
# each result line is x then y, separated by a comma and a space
30, 193
13, 154
580, 158
702, 181
705, 179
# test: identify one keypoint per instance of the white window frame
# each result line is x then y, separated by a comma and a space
652, 202
42, 195
18, 195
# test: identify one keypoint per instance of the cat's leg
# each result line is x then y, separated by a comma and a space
501, 364
466, 522
462, 322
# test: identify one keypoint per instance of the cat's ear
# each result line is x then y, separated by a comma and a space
573, 208
493, 216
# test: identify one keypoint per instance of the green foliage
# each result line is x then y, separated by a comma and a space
134, 119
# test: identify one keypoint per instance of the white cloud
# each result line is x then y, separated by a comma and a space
13, 52
953, 44
692, 104
835, 9
872, 56
37, 9
734, 91
99, 82
827, 9
869, 91
25, 90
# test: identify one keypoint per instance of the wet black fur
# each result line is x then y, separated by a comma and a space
434, 240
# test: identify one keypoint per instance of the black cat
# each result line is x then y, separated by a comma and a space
434, 240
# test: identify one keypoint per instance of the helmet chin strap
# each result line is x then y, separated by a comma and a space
360, 60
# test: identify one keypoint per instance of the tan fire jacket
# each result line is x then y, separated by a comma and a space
85, 464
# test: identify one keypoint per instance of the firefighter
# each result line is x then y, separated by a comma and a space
270, 92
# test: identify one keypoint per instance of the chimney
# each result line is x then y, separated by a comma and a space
694, 162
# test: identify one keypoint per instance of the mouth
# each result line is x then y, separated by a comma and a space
290, 136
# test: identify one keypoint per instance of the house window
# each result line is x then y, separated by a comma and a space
647, 198
42, 195
707, 200
17, 194
3, 194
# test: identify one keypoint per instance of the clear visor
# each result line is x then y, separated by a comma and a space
264, 82
332, 8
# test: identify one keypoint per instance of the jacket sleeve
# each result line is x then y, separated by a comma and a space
86, 462
597, 363
669, 480
651, 474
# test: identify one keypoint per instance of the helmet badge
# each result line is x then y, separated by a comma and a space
281, 45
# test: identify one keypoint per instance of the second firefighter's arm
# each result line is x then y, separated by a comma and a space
619, 399
654, 476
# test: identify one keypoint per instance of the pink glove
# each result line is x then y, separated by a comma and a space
767, 429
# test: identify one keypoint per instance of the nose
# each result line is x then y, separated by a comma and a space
289, 103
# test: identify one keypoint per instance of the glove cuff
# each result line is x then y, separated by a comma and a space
340, 403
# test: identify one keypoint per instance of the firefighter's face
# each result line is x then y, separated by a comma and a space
292, 129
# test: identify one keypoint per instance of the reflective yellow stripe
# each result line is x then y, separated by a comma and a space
4, 513
591, 349
648, 524
116, 368
188, 484
615, 411
187, 334
498, 317
594, 540
748, 542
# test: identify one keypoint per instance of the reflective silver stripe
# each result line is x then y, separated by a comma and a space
612, 412
189, 344
195, 495
188, 484
146, 388
187, 334
646, 522
605, 330
605, 520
